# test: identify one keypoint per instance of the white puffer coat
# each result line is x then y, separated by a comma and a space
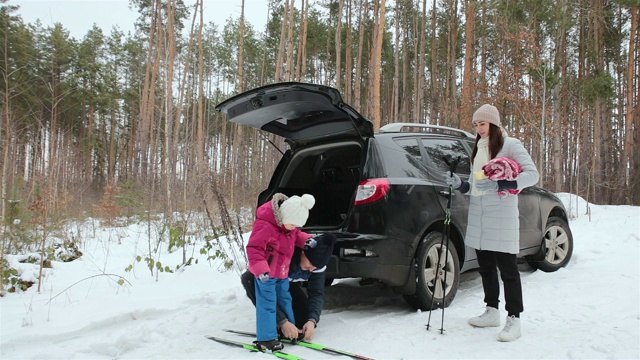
493, 220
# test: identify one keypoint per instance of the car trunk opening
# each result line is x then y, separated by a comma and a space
329, 172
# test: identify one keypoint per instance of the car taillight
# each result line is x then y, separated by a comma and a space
372, 190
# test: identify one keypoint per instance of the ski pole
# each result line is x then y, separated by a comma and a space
444, 247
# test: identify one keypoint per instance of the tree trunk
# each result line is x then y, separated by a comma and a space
240, 83
168, 161
154, 121
560, 109
468, 88
433, 106
289, 42
420, 83
482, 52
451, 104
348, 65
396, 64
582, 127
630, 161
88, 142
358, 85
301, 63
142, 140
200, 162
113, 129
600, 106
338, 46
6, 144
376, 63
281, 46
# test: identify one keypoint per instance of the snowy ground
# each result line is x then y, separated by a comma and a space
589, 310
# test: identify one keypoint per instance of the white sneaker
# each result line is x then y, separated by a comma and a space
511, 329
490, 318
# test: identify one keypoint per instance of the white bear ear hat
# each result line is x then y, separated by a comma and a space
295, 210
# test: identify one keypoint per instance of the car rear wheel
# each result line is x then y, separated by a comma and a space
557, 245
432, 289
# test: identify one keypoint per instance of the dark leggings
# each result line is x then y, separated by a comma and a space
490, 262
300, 302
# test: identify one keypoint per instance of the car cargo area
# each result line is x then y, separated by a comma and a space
330, 173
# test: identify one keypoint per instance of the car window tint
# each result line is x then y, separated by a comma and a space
411, 146
403, 159
438, 148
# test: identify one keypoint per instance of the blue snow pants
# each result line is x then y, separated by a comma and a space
269, 296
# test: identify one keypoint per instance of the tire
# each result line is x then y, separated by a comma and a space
557, 246
426, 265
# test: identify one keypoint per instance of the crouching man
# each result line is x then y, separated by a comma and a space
306, 265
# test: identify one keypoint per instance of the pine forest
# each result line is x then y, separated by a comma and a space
124, 123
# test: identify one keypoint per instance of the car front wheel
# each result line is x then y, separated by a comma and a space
557, 245
436, 281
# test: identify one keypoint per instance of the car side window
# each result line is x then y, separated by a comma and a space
410, 145
437, 149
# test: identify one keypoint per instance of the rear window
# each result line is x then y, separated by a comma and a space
438, 149
403, 160
411, 146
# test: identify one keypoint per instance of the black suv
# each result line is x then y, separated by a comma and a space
384, 195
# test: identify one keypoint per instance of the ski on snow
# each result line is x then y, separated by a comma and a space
251, 347
307, 344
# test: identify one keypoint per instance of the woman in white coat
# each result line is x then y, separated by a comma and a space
493, 225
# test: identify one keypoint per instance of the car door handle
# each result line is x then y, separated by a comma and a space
446, 193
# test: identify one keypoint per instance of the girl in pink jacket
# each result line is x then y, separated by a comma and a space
271, 244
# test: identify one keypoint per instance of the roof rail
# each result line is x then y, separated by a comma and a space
413, 127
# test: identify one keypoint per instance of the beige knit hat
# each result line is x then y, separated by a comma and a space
488, 113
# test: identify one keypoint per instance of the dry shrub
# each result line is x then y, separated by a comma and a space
108, 208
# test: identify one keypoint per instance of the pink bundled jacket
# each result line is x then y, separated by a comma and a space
271, 246
502, 168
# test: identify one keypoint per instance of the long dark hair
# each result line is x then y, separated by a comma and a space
495, 142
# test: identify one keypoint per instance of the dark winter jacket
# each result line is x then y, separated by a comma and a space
315, 287
271, 246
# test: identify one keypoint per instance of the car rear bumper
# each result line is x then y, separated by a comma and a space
392, 275
375, 258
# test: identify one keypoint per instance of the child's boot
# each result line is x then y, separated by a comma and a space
272, 345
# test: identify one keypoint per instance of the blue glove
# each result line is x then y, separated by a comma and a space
264, 277
311, 243
453, 180
487, 185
